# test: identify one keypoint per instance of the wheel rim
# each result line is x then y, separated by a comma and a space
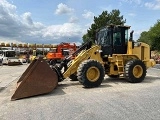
93, 74
137, 71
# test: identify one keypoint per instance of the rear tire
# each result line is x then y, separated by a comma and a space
90, 73
135, 71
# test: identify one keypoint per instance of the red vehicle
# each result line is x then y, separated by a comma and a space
61, 51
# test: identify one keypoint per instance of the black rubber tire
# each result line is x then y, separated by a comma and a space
129, 71
52, 62
73, 77
82, 73
113, 76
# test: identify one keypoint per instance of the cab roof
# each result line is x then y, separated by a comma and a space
114, 26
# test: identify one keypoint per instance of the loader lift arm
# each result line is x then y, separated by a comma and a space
85, 48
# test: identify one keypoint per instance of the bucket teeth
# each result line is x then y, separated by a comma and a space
38, 79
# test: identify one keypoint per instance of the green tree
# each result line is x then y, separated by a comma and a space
152, 37
102, 20
144, 37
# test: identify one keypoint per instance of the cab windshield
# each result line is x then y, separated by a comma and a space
104, 37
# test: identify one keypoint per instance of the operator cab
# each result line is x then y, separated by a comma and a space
113, 39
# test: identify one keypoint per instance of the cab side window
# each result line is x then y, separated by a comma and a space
117, 39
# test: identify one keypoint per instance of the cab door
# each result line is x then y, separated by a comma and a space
119, 42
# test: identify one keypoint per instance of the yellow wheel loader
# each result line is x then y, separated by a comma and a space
113, 54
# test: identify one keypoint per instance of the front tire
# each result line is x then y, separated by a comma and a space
135, 71
90, 73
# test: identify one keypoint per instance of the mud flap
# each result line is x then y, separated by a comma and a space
38, 79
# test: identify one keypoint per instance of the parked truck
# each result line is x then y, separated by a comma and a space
8, 57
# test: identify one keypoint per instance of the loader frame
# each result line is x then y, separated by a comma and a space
91, 64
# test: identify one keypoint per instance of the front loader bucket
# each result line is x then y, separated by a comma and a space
38, 79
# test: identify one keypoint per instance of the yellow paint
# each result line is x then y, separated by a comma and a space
92, 53
116, 62
129, 48
93, 74
137, 71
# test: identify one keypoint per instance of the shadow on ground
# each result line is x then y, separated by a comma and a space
151, 79
60, 89
148, 79
115, 80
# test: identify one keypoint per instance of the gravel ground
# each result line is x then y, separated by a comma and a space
115, 99
157, 66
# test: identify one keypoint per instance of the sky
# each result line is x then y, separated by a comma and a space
56, 21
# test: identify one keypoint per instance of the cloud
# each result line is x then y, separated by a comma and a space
64, 30
155, 5
73, 19
27, 18
133, 1
9, 21
22, 28
88, 15
63, 9
132, 14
